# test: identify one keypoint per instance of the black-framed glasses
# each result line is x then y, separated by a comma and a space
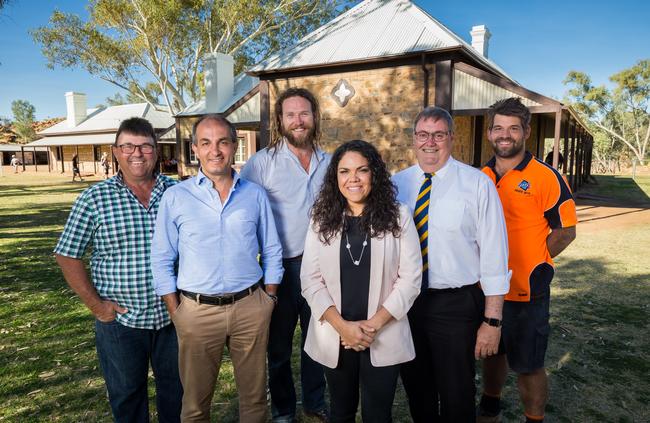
424, 136
130, 148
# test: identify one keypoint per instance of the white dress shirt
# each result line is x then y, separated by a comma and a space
291, 190
467, 237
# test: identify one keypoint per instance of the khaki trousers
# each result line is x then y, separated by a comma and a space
203, 331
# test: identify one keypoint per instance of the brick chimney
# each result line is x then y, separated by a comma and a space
480, 39
219, 80
76, 108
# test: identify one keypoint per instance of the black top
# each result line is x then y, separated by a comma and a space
355, 280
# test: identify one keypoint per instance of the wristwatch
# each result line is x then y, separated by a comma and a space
493, 322
274, 298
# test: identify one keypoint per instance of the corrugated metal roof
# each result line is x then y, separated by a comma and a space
243, 85
16, 147
111, 117
471, 92
168, 137
372, 29
87, 139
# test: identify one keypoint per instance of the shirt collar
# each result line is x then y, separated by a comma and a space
442, 171
118, 180
528, 156
201, 179
283, 148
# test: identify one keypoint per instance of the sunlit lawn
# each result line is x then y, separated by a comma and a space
598, 359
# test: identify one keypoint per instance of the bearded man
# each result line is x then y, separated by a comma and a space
541, 220
292, 169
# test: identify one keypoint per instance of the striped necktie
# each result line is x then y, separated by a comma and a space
421, 217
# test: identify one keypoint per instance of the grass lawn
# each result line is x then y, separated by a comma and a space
598, 359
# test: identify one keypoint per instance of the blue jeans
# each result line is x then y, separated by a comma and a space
124, 356
291, 306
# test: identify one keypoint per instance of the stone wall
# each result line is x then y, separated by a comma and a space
463, 147
381, 110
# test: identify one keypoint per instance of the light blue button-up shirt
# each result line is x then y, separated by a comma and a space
291, 190
215, 245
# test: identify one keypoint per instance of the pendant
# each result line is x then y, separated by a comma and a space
356, 263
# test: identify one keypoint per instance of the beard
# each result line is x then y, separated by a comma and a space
508, 152
304, 140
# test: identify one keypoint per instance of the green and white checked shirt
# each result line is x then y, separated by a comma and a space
109, 216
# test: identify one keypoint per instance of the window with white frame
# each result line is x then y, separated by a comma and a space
242, 150
191, 157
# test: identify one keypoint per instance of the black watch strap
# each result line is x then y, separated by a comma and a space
493, 322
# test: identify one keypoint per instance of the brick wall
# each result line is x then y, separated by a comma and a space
382, 110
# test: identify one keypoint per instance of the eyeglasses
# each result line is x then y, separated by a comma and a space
424, 136
130, 148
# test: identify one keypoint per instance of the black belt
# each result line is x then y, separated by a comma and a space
292, 259
449, 290
220, 299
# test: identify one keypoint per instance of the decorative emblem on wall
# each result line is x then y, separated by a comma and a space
343, 92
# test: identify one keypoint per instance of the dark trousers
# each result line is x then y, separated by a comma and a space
124, 356
439, 382
291, 306
377, 385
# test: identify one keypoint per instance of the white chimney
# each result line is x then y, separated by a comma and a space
76, 106
480, 39
219, 80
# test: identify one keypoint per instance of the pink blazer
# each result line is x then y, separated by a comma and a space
395, 279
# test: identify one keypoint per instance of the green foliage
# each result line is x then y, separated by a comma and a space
24, 113
621, 114
118, 99
136, 43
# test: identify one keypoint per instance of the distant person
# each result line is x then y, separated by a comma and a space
75, 168
291, 169
361, 272
105, 164
541, 219
209, 233
132, 326
549, 160
456, 318
15, 162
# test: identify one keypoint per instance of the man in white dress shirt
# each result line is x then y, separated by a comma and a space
457, 317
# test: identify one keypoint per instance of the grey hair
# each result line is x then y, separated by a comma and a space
232, 131
435, 113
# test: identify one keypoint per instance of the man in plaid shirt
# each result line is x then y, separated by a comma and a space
132, 326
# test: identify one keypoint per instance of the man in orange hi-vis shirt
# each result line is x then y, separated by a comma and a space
540, 218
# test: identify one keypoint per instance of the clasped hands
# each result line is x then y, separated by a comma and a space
357, 335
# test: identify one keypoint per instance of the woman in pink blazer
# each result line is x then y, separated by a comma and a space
361, 272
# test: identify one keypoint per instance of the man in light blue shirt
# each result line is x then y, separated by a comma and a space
292, 169
213, 226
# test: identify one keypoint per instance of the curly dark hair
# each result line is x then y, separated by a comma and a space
381, 211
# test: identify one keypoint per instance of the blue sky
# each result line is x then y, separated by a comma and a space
535, 42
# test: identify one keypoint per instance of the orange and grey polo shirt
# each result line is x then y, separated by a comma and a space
535, 199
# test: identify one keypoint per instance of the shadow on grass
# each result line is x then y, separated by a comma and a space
7, 191
615, 190
598, 348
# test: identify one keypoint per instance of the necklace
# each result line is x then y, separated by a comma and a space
348, 246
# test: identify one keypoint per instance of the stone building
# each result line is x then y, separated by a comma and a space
374, 67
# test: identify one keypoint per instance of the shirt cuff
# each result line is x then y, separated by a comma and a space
496, 285
165, 289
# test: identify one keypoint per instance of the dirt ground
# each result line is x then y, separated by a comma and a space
593, 216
